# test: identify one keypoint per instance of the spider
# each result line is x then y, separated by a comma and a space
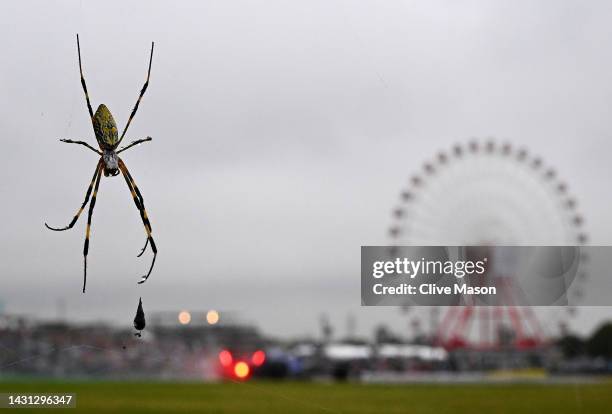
105, 130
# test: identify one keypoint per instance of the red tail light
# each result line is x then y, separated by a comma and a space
258, 358
225, 358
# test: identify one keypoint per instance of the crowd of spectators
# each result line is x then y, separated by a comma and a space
102, 351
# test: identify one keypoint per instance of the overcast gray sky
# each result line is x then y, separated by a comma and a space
282, 135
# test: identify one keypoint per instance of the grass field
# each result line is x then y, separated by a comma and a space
296, 397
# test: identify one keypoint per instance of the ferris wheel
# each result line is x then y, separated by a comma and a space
485, 193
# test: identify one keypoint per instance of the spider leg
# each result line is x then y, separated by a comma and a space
69, 141
139, 141
144, 248
80, 210
142, 92
90, 213
139, 201
83, 80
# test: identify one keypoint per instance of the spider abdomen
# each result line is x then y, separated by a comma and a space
105, 128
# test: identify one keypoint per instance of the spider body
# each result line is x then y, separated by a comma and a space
109, 163
105, 128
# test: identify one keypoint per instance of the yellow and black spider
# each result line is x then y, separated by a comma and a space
108, 139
